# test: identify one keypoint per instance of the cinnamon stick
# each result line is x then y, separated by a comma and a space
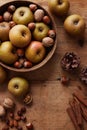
84, 111
81, 97
73, 118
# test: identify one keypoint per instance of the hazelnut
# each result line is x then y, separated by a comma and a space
11, 8
47, 41
15, 123
17, 64
1, 18
65, 80
38, 15
31, 26
29, 126
33, 7
12, 24
5, 128
7, 16
23, 118
19, 113
27, 64
8, 103
23, 109
20, 52
11, 114
17, 118
11, 123
2, 111
46, 19
51, 33
19, 128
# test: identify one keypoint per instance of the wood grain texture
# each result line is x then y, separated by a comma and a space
50, 97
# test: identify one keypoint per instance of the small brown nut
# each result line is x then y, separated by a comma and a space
38, 15
5, 128
15, 123
46, 19
23, 118
28, 99
12, 24
19, 128
8, 103
65, 80
11, 8
2, 111
33, 7
17, 118
11, 114
17, 64
11, 123
27, 64
7, 16
1, 18
52, 33
31, 26
20, 52
23, 109
47, 42
29, 126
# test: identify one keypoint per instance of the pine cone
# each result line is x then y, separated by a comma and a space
83, 75
70, 62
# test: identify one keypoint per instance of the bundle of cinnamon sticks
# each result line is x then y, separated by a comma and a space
78, 109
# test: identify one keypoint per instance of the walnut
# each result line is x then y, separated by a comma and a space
8, 103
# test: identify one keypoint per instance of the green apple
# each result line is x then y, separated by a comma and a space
20, 36
23, 15
7, 54
18, 86
35, 52
2, 75
4, 31
59, 7
40, 31
75, 25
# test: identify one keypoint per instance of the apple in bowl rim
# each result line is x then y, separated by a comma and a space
49, 54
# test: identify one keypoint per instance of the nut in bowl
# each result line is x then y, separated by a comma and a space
28, 41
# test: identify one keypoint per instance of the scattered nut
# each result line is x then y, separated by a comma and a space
5, 128
11, 123
15, 123
38, 15
19, 128
23, 118
28, 99
47, 41
17, 118
2, 111
29, 126
8, 103
11, 114
20, 52
23, 109
19, 113
65, 80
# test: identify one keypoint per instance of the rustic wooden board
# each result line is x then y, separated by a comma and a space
50, 97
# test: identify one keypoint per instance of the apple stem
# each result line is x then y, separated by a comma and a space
60, 2
76, 22
16, 86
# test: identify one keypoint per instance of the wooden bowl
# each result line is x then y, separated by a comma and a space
50, 53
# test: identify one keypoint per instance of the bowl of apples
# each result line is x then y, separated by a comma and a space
27, 36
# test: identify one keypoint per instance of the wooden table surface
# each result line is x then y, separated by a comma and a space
50, 97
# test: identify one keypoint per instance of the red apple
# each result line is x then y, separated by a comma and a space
35, 52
